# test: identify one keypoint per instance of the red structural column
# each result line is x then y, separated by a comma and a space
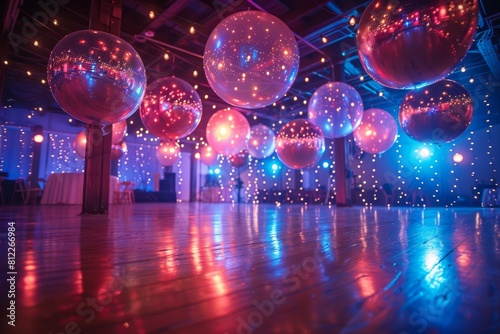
342, 161
105, 16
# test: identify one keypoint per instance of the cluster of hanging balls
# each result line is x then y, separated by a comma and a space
251, 59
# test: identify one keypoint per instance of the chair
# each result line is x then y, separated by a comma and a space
21, 189
387, 191
125, 194
34, 191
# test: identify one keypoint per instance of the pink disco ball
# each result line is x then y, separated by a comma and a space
336, 108
118, 131
239, 159
208, 156
171, 108
300, 144
168, 152
438, 113
262, 141
411, 44
228, 131
251, 59
377, 131
96, 77
80, 144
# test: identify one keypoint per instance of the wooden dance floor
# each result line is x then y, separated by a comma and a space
222, 268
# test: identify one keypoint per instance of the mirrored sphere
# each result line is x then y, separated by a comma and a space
300, 144
96, 77
262, 141
167, 152
251, 59
228, 131
438, 113
411, 44
377, 131
337, 108
171, 108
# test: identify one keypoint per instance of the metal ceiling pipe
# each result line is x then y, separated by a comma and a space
296, 36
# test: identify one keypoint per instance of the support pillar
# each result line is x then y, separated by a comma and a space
342, 161
105, 16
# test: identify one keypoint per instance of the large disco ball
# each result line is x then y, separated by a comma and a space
377, 131
228, 131
336, 108
171, 108
251, 59
80, 144
167, 152
118, 131
300, 144
410, 44
262, 141
208, 156
438, 113
96, 77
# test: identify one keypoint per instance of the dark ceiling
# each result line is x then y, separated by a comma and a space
168, 32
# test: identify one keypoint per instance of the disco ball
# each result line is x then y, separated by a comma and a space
300, 144
96, 77
410, 44
171, 108
438, 113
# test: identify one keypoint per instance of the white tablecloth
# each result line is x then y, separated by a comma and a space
67, 188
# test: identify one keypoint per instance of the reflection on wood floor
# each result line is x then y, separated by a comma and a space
222, 268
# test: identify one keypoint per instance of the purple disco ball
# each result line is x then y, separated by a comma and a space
171, 108
438, 113
251, 59
300, 144
409, 44
96, 77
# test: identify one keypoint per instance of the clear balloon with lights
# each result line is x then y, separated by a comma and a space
228, 131
208, 156
96, 77
171, 108
337, 108
377, 131
239, 159
262, 142
80, 144
300, 144
251, 59
118, 131
411, 44
438, 113
167, 152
